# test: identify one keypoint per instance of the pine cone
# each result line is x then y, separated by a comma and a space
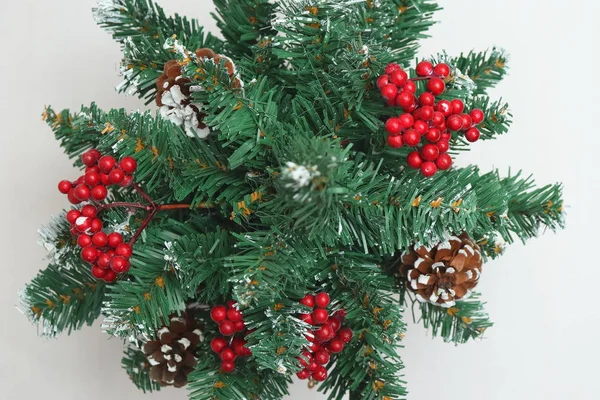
444, 273
174, 94
172, 354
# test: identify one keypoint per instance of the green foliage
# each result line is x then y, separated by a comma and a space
294, 191
465, 321
136, 365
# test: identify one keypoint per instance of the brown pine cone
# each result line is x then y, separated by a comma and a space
171, 355
445, 273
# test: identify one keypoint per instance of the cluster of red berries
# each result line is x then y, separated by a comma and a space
107, 253
424, 120
229, 347
328, 337
101, 171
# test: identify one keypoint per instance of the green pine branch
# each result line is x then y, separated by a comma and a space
465, 321
136, 365
63, 299
142, 27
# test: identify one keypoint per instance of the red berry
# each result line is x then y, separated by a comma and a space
71, 197
410, 108
92, 178
405, 99
426, 113
93, 168
99, 193
398, 77
89, 254
218, 313
393, 126
324, 333
444, 162
227, 367
335, 323
314, 347
308, 300
430, 152
414, 160
83, 223
345, 334
124, 250
126, 181
382, 81
96, 225
100, 239
64, 186
104, 260
307, 318
457, 106
411, 137
433, 135
104, 179
406, 120
72, 216
128, 165
322, 300
438, 119
305, 359
319, 374
341, 314
424, 68
428, 169
115, 239
445, 107
442, 70
116, 176
467, 121
321, 357
313, 366
239, 326
218, 344
234, 315
237, 344
228, 355
477, 116
389, 92
110, 276
88, 211
81, 192
84, 240
395, 142
98, 272
106, 163
410, 87
392, 67
320, 316
443, 146
336, 345
421, 126
304, 374
119, 264
426, 99
227, 328
436, 86
455, 122
89, 158
472, 135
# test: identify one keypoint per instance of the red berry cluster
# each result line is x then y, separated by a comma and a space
229, 347
101, 171
424, 120
107, 253
328, 337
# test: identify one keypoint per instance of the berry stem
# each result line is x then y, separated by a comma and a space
143, 226
142, 193
421, 78
182, 206
124, 204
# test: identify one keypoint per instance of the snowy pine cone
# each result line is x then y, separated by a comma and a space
445, 273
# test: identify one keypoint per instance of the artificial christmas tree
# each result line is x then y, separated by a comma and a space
296, 180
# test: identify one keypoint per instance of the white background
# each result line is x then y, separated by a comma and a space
543, 298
